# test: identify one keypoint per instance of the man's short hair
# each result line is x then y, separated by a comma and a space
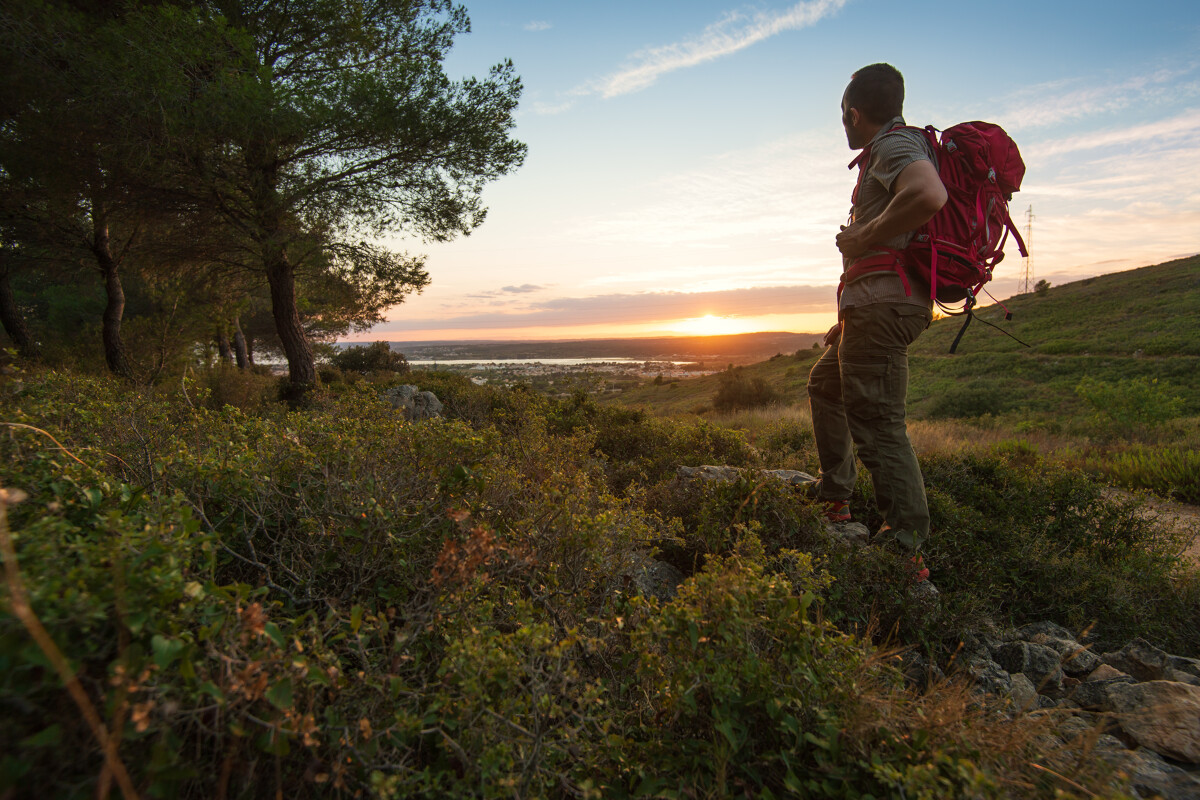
877, 91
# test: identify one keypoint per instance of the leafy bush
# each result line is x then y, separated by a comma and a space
736, 389
974, 399
375, 357
1129, 407
1026, 539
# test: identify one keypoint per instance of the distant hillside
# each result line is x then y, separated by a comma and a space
740, 347
1139, 323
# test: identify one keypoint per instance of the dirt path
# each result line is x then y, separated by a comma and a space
1177, 517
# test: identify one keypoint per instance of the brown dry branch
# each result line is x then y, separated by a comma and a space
22, 610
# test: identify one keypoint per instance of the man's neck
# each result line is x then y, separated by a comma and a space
870, 131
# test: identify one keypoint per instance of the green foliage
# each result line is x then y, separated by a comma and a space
337, 602
736, 389
1167, 471
1027, 539
974, 399
1129, 407
375, 357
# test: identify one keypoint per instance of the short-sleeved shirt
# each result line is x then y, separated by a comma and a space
891, 152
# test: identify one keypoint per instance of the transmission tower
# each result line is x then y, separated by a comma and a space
1027, 280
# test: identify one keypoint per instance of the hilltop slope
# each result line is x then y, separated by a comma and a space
1137, 323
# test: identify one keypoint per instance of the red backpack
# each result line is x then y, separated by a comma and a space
957, 250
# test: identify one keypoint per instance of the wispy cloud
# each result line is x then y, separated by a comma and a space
736, 31
524, 288
1174, 130
1069, 100
538, 25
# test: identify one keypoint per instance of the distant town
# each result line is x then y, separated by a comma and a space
597, 365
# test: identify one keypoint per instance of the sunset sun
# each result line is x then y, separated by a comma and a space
710, 325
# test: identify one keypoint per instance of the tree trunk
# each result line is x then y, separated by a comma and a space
114, 309
302, 369
240, 347
224, 351
13, 321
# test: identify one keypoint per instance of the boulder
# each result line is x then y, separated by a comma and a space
919, 672
1151, 776
986, 675
413, 403
1076, 659
1044, 628
709, 472
1093, 695
1161, 715
854, 534
1189, 666
1024, 694
1039, 663
1104, 672
654, 578
1139, 658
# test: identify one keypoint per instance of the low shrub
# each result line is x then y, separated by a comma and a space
736, 389
1130, 407
1166, 471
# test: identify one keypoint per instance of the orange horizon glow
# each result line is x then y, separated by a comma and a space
708, 325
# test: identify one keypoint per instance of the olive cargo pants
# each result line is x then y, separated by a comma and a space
856, 392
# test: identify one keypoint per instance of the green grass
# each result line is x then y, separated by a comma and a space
1140, 323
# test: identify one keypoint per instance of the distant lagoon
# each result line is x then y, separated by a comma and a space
552, 362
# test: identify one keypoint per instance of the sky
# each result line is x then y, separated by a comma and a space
687, 170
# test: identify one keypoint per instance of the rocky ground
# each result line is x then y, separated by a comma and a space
1137, 708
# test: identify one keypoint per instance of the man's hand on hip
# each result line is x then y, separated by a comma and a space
854, 240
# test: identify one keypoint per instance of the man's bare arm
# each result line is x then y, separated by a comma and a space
919, 194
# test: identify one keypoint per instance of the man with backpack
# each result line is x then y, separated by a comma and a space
857, 389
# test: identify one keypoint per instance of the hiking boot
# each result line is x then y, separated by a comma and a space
918, 570
920, 586
837, 511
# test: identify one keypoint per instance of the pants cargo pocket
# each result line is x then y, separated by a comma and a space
866, 392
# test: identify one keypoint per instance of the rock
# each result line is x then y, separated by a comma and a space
792, 477
986, 675
1151, 776
1039, 663
1189, 665
1076, 659
709, 472
1093, 695
1104, 672
1024, 695
854, 534
415, 405
655, 578
1161, 715
1044, 628
919, 673
1139, 658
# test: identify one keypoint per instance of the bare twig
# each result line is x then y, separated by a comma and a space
48, 436
22, 610
1077, 787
